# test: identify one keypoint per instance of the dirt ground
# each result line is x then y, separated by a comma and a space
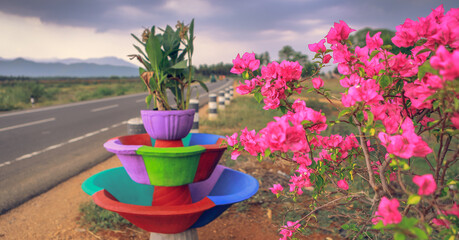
55, 214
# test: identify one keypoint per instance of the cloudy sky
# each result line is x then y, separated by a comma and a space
44, 29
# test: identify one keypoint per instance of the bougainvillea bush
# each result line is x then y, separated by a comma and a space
405, 112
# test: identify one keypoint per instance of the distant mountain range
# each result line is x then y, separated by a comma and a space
70, 67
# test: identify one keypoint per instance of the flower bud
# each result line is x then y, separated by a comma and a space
245, 75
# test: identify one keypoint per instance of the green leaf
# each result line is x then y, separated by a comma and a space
428, 228
138, 40
141, 52
425, 68
148, 100
423, 51
407, 223
190, 41
345, 226
344, 112
413, 199
371, 118
283, 109
203, 85
258, 97
374, 53
180, 65
267, 152
419, 233
154, 52
399, 236
387, 47
141, 71
259, 157
360, 116
444, 192
379, 225
385, 81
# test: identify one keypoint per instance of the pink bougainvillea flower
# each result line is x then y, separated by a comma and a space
235, 154
403, 65
246, 88
288, 230
367, 90
433, 81
338, 33
232, 140
418, 92
353, 80
374, 42
317, 82
388, 212
317, 47
289, 71
454, 210
343, 184
251, 142
406, 145
362, 53
247, 62
341, 54
426, 184
446, 62
270, 71
276, 189
455, 120
406, 34
441, 222
326, 59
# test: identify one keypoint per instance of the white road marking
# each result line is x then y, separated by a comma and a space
54, 146
75, 139
27, 156
27, 124
5, 163
104, 108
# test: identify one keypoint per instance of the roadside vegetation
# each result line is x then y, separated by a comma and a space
16, 93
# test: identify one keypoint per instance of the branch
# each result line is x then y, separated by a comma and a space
371, 177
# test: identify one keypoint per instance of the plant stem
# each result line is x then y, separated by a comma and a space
371, 177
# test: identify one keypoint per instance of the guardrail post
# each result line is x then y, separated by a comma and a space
194, 104
231, 92
227, 96
212, 106
135, 126
221, 100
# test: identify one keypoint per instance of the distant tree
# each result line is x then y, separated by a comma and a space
217, 69
286, 53
264, 58
359, 38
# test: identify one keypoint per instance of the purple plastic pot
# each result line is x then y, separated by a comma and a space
167, 125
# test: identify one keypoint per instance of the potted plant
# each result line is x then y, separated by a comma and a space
166, 57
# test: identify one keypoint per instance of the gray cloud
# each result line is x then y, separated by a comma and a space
239, 16
263, 24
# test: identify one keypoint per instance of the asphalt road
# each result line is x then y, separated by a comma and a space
40, 148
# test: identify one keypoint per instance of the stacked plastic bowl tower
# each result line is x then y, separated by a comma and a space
169, 185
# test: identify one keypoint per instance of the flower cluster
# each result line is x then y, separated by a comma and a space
275, 82
393, 100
